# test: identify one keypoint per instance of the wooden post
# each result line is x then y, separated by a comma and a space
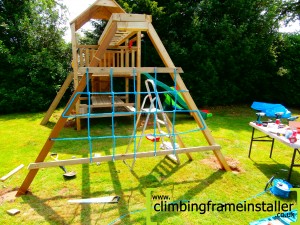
138, 64
75, 70
61, 122
127, 65
186, 95
49, 142
57, 99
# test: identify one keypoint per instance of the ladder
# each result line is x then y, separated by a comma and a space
160, 120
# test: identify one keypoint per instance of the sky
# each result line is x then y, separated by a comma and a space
75, 7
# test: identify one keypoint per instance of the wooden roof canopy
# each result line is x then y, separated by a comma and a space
100, 9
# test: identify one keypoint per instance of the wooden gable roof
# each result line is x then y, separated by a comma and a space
100, 9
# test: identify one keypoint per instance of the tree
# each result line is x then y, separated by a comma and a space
231, 51
290, 11
92, 37
286, 81
35, 58
225, 47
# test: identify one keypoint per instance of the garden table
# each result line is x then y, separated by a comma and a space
272, 133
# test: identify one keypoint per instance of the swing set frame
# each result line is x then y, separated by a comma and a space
119, 31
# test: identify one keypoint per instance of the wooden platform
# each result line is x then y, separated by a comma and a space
105, 101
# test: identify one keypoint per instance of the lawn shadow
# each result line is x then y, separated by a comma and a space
27, 116
85, 216
187, 196
49, 125
279, 171
164, 169
43, 209
122, 205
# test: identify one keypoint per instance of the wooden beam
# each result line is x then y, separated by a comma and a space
88, 46
132, 26
126, 54
123, 38
138, 64
125, 17
107, 3
11, 172
75, 70
101, 9
54, 133
104, 41
57, 99
160, 48
106, 30
116, 48
128, 70
61, 122
34, 166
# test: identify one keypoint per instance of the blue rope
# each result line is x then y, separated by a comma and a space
113, 136
117, 136
255, 196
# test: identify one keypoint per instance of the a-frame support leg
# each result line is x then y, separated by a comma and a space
49, 143
180, 142
60, 123
57, 99
160, 48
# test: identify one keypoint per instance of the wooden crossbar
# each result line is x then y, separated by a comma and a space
39, 165
57, 99
128, 70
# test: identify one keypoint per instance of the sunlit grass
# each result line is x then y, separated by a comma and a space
21, 139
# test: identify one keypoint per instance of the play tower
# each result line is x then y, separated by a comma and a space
117, 55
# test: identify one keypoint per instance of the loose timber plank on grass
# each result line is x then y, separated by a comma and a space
103, 200
11, 172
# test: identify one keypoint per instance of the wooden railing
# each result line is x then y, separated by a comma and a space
121, 56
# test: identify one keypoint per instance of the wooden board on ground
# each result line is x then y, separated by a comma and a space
11, 172
109, 199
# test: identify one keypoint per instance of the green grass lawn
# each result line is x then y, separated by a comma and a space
197, 181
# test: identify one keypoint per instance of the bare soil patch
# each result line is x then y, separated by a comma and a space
234, 164
8, 195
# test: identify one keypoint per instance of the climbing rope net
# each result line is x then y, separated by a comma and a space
155, 110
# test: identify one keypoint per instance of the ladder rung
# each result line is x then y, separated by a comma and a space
173, 158
164, 133
151, 110
161, 121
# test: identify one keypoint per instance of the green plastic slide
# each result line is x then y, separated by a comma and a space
170, 97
